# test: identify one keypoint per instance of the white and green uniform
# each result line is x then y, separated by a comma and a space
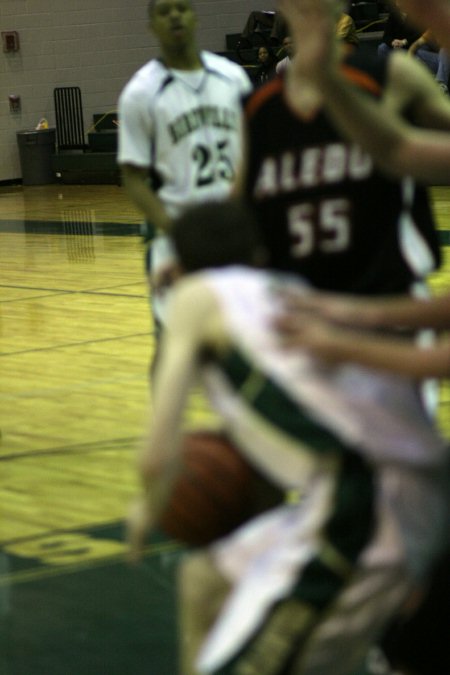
366, 460
185, 127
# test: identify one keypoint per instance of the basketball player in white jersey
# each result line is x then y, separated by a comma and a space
308, 586
180, 127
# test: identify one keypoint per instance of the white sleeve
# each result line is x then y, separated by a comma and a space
135, 129
246, 85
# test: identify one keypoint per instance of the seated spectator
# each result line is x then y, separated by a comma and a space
346, 31
427, 49
265, 66
288, 49
398, 33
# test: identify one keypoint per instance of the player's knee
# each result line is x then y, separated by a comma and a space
200, 583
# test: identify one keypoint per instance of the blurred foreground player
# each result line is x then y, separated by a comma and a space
306, 587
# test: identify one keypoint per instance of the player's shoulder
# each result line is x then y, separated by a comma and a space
194, 292
202, 287
146, 81
224, 67
192, 305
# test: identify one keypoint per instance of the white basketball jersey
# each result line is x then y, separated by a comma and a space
271, 396
186, 126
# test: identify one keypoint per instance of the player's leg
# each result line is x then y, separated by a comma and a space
201, 593
328, 550
419, 642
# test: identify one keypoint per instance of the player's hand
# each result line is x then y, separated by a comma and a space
313, 26
139, 525
335, 307
314, 334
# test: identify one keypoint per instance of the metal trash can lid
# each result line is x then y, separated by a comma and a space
36, 131
36, 136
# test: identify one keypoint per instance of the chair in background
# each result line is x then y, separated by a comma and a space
69, 119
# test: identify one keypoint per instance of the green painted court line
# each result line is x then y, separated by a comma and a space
36, 574
444, 237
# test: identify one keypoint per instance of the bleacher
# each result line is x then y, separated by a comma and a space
369, 17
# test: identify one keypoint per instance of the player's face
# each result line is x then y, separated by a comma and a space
173, 22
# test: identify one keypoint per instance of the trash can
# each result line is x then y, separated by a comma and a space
36, 148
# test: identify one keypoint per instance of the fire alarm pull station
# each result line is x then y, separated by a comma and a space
10, 41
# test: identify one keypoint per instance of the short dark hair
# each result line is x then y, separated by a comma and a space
152, 3
216, 234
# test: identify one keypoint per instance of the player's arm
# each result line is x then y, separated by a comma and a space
410, 87
135, 181
422, 154
136, 139
397, 147
336, 344
175, 371
369, 312
238, 187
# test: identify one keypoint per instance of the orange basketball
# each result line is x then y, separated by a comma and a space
210, 497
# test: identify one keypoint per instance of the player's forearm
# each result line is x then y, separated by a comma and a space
398, 356
158, 479
411, 312
361, 120
396, 147
145, 199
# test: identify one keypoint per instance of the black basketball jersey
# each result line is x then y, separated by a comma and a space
325, 211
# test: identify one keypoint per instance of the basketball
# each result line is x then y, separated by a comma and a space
210, 497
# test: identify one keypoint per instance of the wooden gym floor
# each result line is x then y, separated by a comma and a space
76, 339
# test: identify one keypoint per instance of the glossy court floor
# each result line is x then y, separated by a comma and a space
75, 343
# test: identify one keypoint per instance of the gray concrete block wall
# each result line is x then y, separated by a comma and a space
93, 44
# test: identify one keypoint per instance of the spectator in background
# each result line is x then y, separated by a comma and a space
399, 33
427, 49
287, 49
265, 66
346, 31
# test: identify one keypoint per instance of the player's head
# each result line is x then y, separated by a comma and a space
217, 234
174, 22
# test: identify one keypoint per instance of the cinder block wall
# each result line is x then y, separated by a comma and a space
93, 44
